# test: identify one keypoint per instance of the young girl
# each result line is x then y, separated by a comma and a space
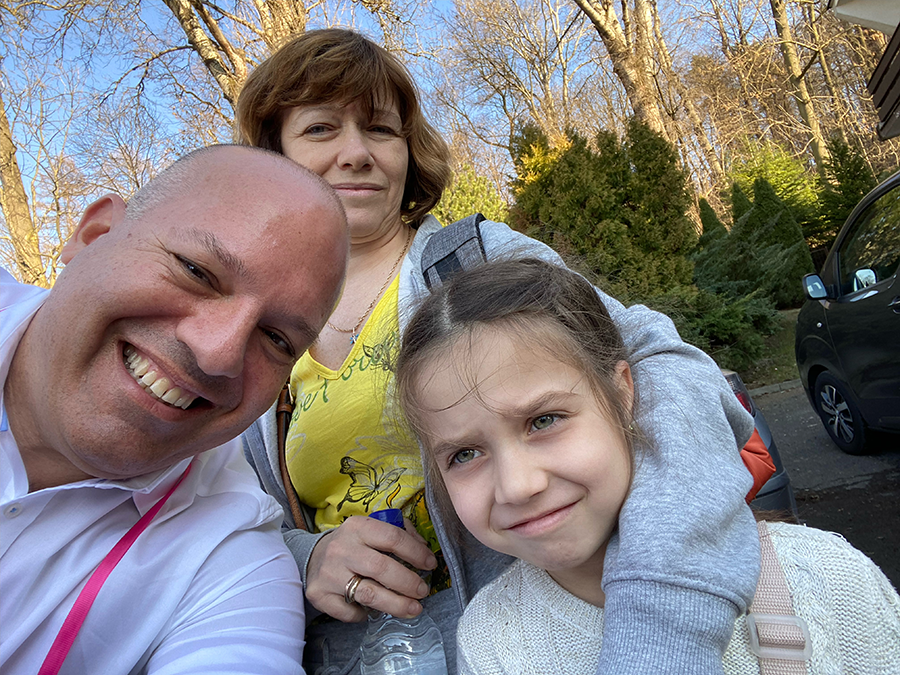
514, 377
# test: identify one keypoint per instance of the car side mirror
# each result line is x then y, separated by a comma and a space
813, 287
863, 278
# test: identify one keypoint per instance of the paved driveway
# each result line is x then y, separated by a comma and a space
856, 496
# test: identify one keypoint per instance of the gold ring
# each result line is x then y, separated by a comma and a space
350, 589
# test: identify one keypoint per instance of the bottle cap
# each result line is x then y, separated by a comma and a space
390, 516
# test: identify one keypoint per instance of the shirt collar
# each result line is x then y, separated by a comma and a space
149, 488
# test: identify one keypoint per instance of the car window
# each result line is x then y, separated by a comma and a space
871, 251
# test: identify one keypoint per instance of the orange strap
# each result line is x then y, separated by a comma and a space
758, 462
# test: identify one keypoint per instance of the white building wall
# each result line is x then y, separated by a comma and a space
883, 15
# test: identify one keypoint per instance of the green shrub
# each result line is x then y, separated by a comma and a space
616, 210
740, 204
765, 253
713, 228
470, 193
729, 330
619, 206
794, 183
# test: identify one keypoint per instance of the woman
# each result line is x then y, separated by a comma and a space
339, 104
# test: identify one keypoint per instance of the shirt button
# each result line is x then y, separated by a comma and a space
12, 510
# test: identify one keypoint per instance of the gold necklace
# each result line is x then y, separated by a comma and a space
354, 332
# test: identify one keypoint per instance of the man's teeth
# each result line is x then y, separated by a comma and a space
161, 387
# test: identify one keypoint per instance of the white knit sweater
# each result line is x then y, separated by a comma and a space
524, 623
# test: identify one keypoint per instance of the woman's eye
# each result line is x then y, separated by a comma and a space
384, 129
543, 421
464, 456
317, 129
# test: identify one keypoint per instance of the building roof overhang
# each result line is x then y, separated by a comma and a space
884, 86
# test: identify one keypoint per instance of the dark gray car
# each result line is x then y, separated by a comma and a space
776, 494
848, 332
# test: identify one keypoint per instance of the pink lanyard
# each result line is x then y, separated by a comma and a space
66, 637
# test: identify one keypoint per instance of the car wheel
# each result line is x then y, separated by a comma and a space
840, 414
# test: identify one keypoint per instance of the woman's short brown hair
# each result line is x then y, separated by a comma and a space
342, 66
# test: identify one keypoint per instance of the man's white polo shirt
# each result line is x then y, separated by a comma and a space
209, 587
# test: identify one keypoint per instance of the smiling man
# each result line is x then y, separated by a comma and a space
173, 326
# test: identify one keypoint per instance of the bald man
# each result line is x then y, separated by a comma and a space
173, 326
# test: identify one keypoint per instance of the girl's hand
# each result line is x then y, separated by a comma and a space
363, 546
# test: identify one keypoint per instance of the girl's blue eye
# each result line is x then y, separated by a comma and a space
543, 421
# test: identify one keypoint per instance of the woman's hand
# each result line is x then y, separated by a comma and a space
363, 546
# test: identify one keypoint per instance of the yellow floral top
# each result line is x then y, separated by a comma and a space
349, 451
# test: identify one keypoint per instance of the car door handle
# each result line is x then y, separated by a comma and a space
895, 305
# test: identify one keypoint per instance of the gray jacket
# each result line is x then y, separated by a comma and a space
686, 559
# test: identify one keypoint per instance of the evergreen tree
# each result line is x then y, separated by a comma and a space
769, 221
791, 179
659, 191
781, 249
618, 206
728, 330
764, 255
740, 204
849, 180
713, 228
470, 193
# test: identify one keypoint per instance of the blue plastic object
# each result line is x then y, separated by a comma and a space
390, 516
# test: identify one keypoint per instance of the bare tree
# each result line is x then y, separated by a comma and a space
43, 107
796, 74
178, 68
629, 43
685, 101
229, 41
519, 61
14, 201
734, 28
818, 45
708, 74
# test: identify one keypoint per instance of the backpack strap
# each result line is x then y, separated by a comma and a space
453, 248
778, 637
283, 412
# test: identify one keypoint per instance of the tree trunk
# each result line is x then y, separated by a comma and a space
281, 20
15, 209
630, 53
795, 73
733, 55
229, 78
837, 100
226, 61
665, 58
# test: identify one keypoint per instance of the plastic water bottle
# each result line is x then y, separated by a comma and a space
395, 646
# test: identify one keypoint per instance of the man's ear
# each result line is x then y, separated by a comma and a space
98, 219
